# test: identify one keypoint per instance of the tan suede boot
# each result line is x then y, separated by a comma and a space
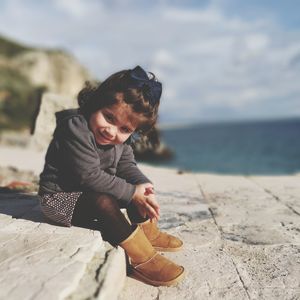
161, 241
147, 265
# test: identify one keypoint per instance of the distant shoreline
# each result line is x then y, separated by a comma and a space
170, 126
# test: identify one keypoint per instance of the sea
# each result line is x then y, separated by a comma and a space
251, 148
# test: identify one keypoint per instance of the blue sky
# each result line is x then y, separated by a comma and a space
218, 60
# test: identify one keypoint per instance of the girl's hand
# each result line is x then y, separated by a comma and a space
148, 207
153, 207
141, 189
149, 190
145, 201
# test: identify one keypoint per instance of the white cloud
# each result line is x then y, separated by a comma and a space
74, 8
257, 42
77, 8
192, 16
164, 58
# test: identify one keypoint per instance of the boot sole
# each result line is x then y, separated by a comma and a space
160, 249
139, 276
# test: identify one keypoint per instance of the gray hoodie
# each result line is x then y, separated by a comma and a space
75, 162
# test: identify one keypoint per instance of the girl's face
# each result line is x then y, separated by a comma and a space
111, 125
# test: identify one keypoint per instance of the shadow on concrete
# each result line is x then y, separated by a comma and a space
26, 206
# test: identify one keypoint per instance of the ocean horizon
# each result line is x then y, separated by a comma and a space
262, 147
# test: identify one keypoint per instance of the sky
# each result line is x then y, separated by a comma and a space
217, 60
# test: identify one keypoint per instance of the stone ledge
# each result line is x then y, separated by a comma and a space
45, 261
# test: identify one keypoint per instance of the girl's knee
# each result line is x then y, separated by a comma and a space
102, 200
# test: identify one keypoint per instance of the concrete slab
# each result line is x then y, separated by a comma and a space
260, 232
244, 211
246, 246
241, 237
284, 188
179, 196
45, 261
267, 272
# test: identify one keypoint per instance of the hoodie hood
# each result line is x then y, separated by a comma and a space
66, 114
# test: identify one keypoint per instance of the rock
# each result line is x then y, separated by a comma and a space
150, 148
41, 260
58, 71
45, 122
15, 185
13, 179
27, 72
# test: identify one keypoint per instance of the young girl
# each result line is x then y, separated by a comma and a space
90, 173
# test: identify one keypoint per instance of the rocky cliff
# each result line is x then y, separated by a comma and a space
26, 72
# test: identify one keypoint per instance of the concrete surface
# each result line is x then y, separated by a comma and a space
241, 237
41, 260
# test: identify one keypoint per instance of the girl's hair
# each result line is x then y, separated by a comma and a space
117, 89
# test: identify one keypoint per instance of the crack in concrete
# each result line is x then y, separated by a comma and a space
209, 288
97, 291
240, 277
215, 221
29, 250
287, 205
158, 294
36, 294
88, 285
223, 250
274, 196
77, 251
206, 197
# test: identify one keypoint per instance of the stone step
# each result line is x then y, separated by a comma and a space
39, 260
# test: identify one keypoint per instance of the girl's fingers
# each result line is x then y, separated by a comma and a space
152, 202
157, 210
150, 190
147, 193
151, 211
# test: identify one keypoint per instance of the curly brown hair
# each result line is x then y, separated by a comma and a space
115, 90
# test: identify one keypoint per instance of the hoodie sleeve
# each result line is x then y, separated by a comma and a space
127, 167
79, 154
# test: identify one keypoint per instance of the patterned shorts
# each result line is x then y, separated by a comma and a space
59, 207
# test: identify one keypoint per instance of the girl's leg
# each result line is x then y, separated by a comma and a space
134, 214
147, 265
161, 241
111, 221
